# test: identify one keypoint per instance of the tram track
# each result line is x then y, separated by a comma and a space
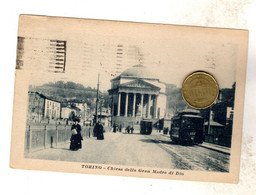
180, 161
212, 161
200, 149
201, 160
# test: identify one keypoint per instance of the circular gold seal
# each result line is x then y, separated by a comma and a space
200, 90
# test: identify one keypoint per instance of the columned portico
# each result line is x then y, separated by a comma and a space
147, 101
135, 93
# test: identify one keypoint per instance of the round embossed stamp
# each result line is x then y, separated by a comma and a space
200, 90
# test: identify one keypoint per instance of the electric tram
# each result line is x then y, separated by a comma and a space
187, 127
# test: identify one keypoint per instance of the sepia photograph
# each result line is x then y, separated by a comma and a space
107, 97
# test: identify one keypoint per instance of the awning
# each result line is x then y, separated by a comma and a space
213, 123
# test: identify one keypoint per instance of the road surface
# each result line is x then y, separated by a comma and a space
155, 150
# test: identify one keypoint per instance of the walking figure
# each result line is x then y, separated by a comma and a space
114, 128
132, 129
128, 129
98, 130
76, 137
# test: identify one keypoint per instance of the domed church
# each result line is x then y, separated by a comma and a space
137, 94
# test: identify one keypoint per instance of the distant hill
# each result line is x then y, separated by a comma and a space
69, 92
175, 101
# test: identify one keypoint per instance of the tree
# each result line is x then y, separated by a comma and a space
175, 100
72, 116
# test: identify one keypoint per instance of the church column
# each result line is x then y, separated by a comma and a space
126, 104
134, 102
141, 104
148, 106
119, 103
155, 107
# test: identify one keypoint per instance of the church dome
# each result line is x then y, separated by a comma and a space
138, 71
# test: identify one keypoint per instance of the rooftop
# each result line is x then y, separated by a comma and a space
138, 71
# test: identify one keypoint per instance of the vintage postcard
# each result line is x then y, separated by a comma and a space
106, 97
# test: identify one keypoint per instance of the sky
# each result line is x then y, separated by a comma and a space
109, 48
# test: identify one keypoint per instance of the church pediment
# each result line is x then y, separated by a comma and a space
139, 84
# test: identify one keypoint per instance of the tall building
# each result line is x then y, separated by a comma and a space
41, 107
52, 109
137, 94
36, 107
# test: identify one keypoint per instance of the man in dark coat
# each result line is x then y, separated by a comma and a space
132, 129
76, 138
128, 129
114, 128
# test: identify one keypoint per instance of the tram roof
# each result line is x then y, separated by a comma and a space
191, 116
192, 111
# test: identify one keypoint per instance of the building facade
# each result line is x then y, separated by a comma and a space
52, 109
36, 104
137, 94
40, 107
66, 112
83, 110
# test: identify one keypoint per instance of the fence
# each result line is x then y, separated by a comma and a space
45, 136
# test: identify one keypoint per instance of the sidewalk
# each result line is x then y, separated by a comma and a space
215, 147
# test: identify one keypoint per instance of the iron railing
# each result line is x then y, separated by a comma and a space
45, 136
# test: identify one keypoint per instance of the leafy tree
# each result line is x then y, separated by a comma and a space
175, 100
72, 116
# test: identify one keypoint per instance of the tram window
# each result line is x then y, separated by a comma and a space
191, 123
176, 123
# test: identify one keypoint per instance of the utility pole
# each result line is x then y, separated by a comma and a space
101, 99
97, 99
112, 110
209, 125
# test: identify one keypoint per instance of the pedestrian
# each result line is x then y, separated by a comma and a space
76, 137
95, 129
128, 129
114, 128
100, 130
132, 129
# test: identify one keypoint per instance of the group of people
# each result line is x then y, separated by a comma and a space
76, 137
129, 129
116, 128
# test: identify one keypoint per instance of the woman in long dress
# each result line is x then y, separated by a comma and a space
76, 138
100, 135
98, 130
